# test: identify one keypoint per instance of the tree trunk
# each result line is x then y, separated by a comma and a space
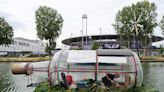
128, 42
146, 43
138, 52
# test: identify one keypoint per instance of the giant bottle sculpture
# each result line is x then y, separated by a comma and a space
88, 64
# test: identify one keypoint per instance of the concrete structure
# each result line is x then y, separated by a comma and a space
23, 45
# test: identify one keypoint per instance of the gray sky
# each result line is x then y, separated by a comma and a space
101, 13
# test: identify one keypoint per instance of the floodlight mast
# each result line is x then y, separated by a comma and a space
84, 16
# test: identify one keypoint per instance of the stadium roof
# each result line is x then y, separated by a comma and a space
102, 37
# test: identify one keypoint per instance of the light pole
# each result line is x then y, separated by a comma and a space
71, 41
84, 16
100, 38
82, 38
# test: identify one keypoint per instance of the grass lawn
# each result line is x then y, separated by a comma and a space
24, 59
152, 58
36, 59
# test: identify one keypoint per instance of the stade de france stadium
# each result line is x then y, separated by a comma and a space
103, 42
23, 45
81, 42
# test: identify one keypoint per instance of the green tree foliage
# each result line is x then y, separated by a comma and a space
123, 27
6, 32
48, 24
95, 45
161, 50
49, 48
162, 25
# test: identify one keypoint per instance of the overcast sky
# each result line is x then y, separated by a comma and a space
101, 13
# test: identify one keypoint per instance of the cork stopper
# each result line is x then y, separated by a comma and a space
23, 68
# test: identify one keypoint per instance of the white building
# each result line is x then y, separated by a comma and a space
22, 44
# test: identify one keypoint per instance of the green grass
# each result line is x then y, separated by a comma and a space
44, 87
155, 58
24, 59
35, 59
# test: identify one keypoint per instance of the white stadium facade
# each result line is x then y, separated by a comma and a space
23, 45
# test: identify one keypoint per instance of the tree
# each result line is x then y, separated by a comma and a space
123, 26
6, 32
162, 25
95, 45
48, 24
161, 50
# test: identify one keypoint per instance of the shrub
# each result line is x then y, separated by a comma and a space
44, 87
